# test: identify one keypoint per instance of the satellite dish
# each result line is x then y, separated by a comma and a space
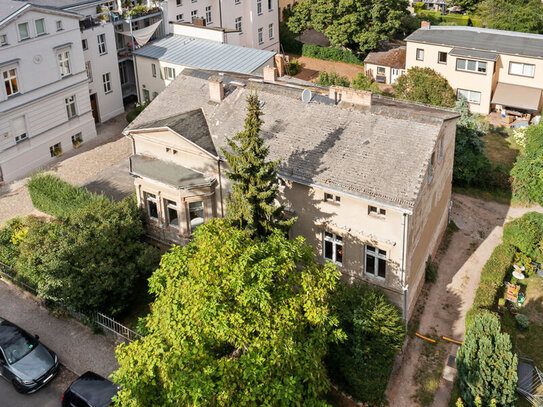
306, 96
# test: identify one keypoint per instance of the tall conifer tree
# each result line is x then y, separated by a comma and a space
254, 179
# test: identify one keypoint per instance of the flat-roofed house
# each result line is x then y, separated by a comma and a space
368, 178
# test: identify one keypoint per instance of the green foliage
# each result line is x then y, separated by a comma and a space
526, 234
522, 260
362, 364
436, 18
512, 15
362, 82
294, 67
131, 115
355, 24
492, 277
236, 322
330, 54
418, 7
12, 234
528, 170
332, 78
424, 85
468, 5
254, 180
138, 11
522, 321
431, 270
56, 197
487, 366
288, 41
90, 259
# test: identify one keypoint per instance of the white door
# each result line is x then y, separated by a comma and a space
394, 75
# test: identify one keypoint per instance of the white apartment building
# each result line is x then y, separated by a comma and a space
45, 107
257, 21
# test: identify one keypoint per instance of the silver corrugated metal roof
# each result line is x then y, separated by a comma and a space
206, 54
473, 53
483, 39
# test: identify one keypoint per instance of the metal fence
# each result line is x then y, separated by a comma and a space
109, 325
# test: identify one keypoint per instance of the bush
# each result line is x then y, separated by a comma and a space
528, 170
362, 364
424, 85
12, 234
131, 115
362, 82
294, 67
431, 270
526, 234
332, 78
56, 197
522, 321
330, 54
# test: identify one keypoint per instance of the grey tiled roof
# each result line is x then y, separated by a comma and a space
484, 39
205, 54
381, 154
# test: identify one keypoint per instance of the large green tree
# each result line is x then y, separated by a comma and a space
487, 366
89, 259
424, 85
254, 179
356, 24
236, 322
513, 15
528, 170
468, 5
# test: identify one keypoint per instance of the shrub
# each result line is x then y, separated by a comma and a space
431, 270
332, 78
330, 54
522, 321
288, 41
526, 234
131, 115
56, 197
425, 85
362, 364
528, 170
12, 234
362, 82
294, 67
487, 366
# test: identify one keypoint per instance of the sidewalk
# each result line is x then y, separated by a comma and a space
77, 347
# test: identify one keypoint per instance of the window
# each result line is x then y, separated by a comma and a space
373, 210
10, 81
40, 26
470, 65
18, 129
146, 96
179, 17
196, 214
179, 3
259, 7
442, 57
106, 79
333, 248
3, 39
23, 31
153, 70
440, 150
64, 63
376, 262
85, 44
381, 70
55, 150
470, 95
171, 213
331, 198
270, 31
193, 15
123, 74
270, 4
151, 206
89, 70
238, 24
70, 106
208, 15
420, 54
77, 139
59, 25
194, 1
516, 68
431, 168
237, 1
102, 44
169, 73
260, 35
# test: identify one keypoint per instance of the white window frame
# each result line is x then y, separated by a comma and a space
63, 59
439, 54
203, 209
153, 70
85, 44
259, 7
180, 18
43, 25
88, 69
375, 211
54, 147
106, 80
21, 38
169, 204
260, 35
523, 69
8, 78
3, 40
270, 5
71, 108
271, 33
377, 255
478, 65
208, 15
193, 15
239, 24
336, 241
153, 199
102, 48
169, 73
420, 54
22, 134
468, 95
58, 25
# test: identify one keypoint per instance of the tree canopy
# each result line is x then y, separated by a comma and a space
468, 5
512, 15
236, 322
356, 24
254, 179
424, 85
528, 170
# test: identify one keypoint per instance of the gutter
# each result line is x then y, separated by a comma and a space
405, 287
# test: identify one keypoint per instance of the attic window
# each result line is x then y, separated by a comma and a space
373, 210
331, 198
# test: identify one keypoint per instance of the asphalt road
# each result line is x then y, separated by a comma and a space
48, 396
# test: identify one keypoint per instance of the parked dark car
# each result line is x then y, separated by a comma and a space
24, 361
90, 390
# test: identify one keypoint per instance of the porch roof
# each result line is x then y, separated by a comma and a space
474, 53
516, 96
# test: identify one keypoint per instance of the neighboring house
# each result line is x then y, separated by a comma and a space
256, 21
369, 179
44, 100
385, 66
158, 63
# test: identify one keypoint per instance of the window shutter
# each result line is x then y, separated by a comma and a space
18, 126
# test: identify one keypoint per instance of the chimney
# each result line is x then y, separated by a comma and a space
350, 95
199, 21
425, 24
270, 73
280, 64
216, 90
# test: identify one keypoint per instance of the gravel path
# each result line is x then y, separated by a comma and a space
77, 167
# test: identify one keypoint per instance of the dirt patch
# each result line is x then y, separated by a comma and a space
311, 68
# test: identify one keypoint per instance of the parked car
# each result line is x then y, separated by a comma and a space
24, 361
90, 390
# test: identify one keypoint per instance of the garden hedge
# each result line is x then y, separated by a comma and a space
56, 197
436, 18
492, 278
330, 54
